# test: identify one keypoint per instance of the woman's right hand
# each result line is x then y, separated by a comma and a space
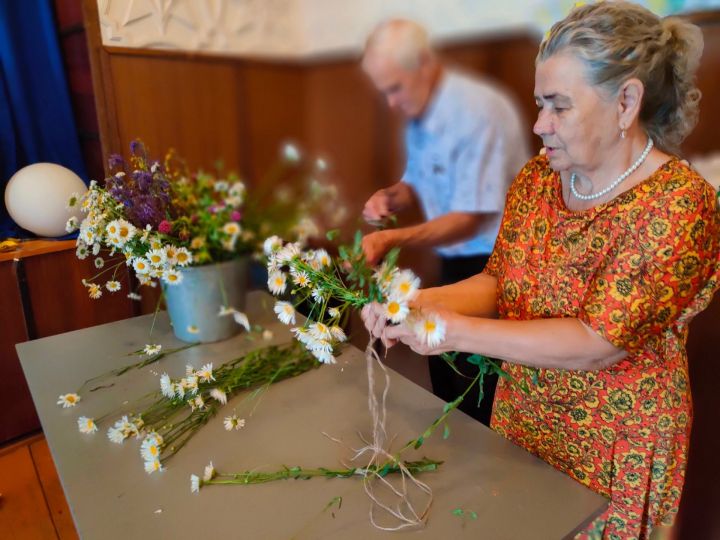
373, 315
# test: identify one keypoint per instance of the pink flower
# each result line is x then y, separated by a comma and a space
165, 227
235, 215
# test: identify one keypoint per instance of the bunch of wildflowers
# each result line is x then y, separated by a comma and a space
168, 418
332, 286
158, 217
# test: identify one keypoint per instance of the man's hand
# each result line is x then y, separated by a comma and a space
376, 244
378, 207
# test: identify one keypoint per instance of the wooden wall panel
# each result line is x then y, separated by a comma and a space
704, 137
60, 302
194, 107
20, 417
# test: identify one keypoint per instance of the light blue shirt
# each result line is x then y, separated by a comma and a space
463, 154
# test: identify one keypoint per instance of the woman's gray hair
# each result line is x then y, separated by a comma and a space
618, 41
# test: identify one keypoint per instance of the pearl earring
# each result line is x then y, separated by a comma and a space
623, 133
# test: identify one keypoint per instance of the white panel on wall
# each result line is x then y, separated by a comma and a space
300, 28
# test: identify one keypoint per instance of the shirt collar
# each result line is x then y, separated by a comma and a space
434, 119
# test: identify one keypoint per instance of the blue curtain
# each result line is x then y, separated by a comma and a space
36, 118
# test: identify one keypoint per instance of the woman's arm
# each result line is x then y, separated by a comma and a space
544, 343
475, 296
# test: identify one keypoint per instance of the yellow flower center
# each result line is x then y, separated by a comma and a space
430, 326
393, 308
405, 287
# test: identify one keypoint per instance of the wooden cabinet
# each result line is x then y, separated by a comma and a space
42, 295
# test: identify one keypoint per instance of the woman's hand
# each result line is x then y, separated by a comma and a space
407, 333
373, 315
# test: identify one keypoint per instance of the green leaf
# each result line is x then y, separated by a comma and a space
473, 515
332, 234
446, 431
418, 442
458, 512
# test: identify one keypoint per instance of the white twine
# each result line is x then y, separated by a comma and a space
402, 509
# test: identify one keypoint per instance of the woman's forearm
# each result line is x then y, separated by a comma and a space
475, 296
544, 343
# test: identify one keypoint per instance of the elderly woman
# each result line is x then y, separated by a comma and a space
609, 246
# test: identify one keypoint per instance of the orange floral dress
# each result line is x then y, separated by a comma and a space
636, 270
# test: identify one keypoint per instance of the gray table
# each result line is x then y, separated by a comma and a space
514, 494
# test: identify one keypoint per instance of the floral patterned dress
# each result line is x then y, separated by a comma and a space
636, 270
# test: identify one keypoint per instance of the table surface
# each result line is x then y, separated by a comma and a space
514, 494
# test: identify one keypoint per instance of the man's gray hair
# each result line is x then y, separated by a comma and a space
402, 40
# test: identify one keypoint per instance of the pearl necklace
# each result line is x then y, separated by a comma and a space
617, 181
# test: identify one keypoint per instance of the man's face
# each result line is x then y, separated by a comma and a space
406, 91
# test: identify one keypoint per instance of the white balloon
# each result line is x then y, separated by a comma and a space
36, 197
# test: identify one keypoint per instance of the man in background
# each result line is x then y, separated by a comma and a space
465, 142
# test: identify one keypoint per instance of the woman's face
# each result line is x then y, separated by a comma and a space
576, 122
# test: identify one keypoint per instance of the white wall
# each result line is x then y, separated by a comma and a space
302, 28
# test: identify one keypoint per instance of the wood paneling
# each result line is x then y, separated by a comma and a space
23, 510
60, 302
19, 417
54, 496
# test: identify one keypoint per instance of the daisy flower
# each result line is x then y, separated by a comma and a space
291, 153
71, 224
134, 296
195, 483
152, 349
218, 395
334, 312
404, 285
116, 435
183, 257
172, 277
209, 472
205, 373
197, 242
96, 248
301, 279
193, 329
150, 449
271, 245
233, 422
319, 331
68, 400
94, 290
396, 311
285, 312
338, 333
190, 383
242, 320
86, 425
324, 356
112, 286
72, 201
231, 228
277, 282
197, 403
152, 466
166, 386
430, 329
322, 258
318, 295
157, 257
81, 252
141, 265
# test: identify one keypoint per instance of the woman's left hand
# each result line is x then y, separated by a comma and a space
405, 332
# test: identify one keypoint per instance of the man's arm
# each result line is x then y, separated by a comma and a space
443, 230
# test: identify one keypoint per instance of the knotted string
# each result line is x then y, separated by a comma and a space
401, 509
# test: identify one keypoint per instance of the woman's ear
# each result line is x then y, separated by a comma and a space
629, 102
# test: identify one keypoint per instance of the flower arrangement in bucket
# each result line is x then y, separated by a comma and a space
192, 232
